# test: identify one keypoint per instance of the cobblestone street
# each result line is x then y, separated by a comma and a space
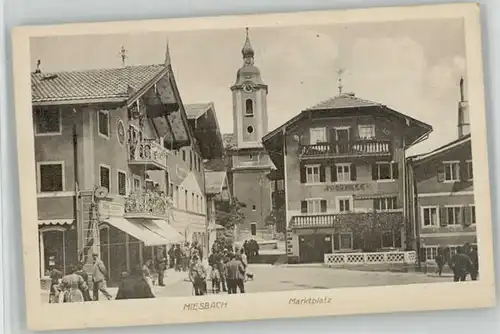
283, 278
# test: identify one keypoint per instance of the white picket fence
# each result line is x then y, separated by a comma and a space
341, 259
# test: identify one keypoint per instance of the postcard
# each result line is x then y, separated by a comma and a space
252, 167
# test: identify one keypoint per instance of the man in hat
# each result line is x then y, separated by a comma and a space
198, 276
99, 274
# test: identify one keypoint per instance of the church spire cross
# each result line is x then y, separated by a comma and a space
247, 50
167, 54
340, 71
123, 55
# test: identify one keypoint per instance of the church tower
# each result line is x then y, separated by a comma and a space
250, 163
249, 101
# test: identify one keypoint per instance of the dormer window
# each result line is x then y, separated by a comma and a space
249, 107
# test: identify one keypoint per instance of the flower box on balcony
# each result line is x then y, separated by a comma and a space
148, 205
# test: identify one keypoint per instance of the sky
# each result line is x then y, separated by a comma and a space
413, 67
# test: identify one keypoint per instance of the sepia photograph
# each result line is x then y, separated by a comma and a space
253, 157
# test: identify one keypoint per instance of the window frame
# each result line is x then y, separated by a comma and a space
386, 199
109, 176
432, 253
343, 198
107, 113
314, 203
138, 178
252, 113
36, 120
472, 209
349, 173
371, 126
118, 172
449, 163
39, 175
460, 210
391, 167
340, 241
312, 167
319, 128
438, 218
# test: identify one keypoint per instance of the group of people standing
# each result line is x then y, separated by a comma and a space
179, 255
74, 286
227, 270
463, 263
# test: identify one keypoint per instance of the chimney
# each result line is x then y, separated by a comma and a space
463, 112
38, 63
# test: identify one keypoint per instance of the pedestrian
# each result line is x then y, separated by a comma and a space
171, 256
146, 273
475, 262
161, 267
198, 276
85, 289
221, 265
55, 277
461, 264
235, 275
178, 257
440, 261
99, 275
71, 286
133, 286
215, 277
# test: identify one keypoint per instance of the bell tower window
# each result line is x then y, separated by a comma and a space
249, 107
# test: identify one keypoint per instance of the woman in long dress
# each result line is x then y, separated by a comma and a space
72, 286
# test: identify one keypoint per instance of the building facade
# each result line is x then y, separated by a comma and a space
249, 162
442, 183
343, 167
109, 149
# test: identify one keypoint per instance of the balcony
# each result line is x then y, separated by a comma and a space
339, 220
348, 149
149, 154
148, 205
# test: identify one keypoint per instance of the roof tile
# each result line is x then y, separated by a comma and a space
91, 84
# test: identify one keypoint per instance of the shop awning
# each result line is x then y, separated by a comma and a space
215, 227
169, 232
144, 230
55, 222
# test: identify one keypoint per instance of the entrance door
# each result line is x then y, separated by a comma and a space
253, 229
312, 248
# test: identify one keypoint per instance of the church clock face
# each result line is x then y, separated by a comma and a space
247, 88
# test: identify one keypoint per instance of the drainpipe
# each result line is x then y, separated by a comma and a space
76, 209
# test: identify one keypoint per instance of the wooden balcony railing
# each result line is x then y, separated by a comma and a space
333, 220
352, 148
149, 205
148, 153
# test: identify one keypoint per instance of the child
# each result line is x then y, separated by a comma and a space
215, 277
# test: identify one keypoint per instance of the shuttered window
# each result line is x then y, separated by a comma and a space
122, 183
104, 177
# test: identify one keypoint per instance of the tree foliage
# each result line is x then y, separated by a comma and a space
229, 213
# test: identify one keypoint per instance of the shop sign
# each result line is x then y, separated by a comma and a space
348, 187
111, 209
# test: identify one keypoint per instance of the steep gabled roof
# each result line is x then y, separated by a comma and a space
342, 102
196, 110
420, 158
214, 182
102, 85
205, 125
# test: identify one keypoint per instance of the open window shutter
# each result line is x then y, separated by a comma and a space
336, 241
333, 173
460, 217
303, 206
322, 175
354, 174
395, 170
467, 215
323, 205
443, 216
463, 171
374, 172
441, 173
303, 174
